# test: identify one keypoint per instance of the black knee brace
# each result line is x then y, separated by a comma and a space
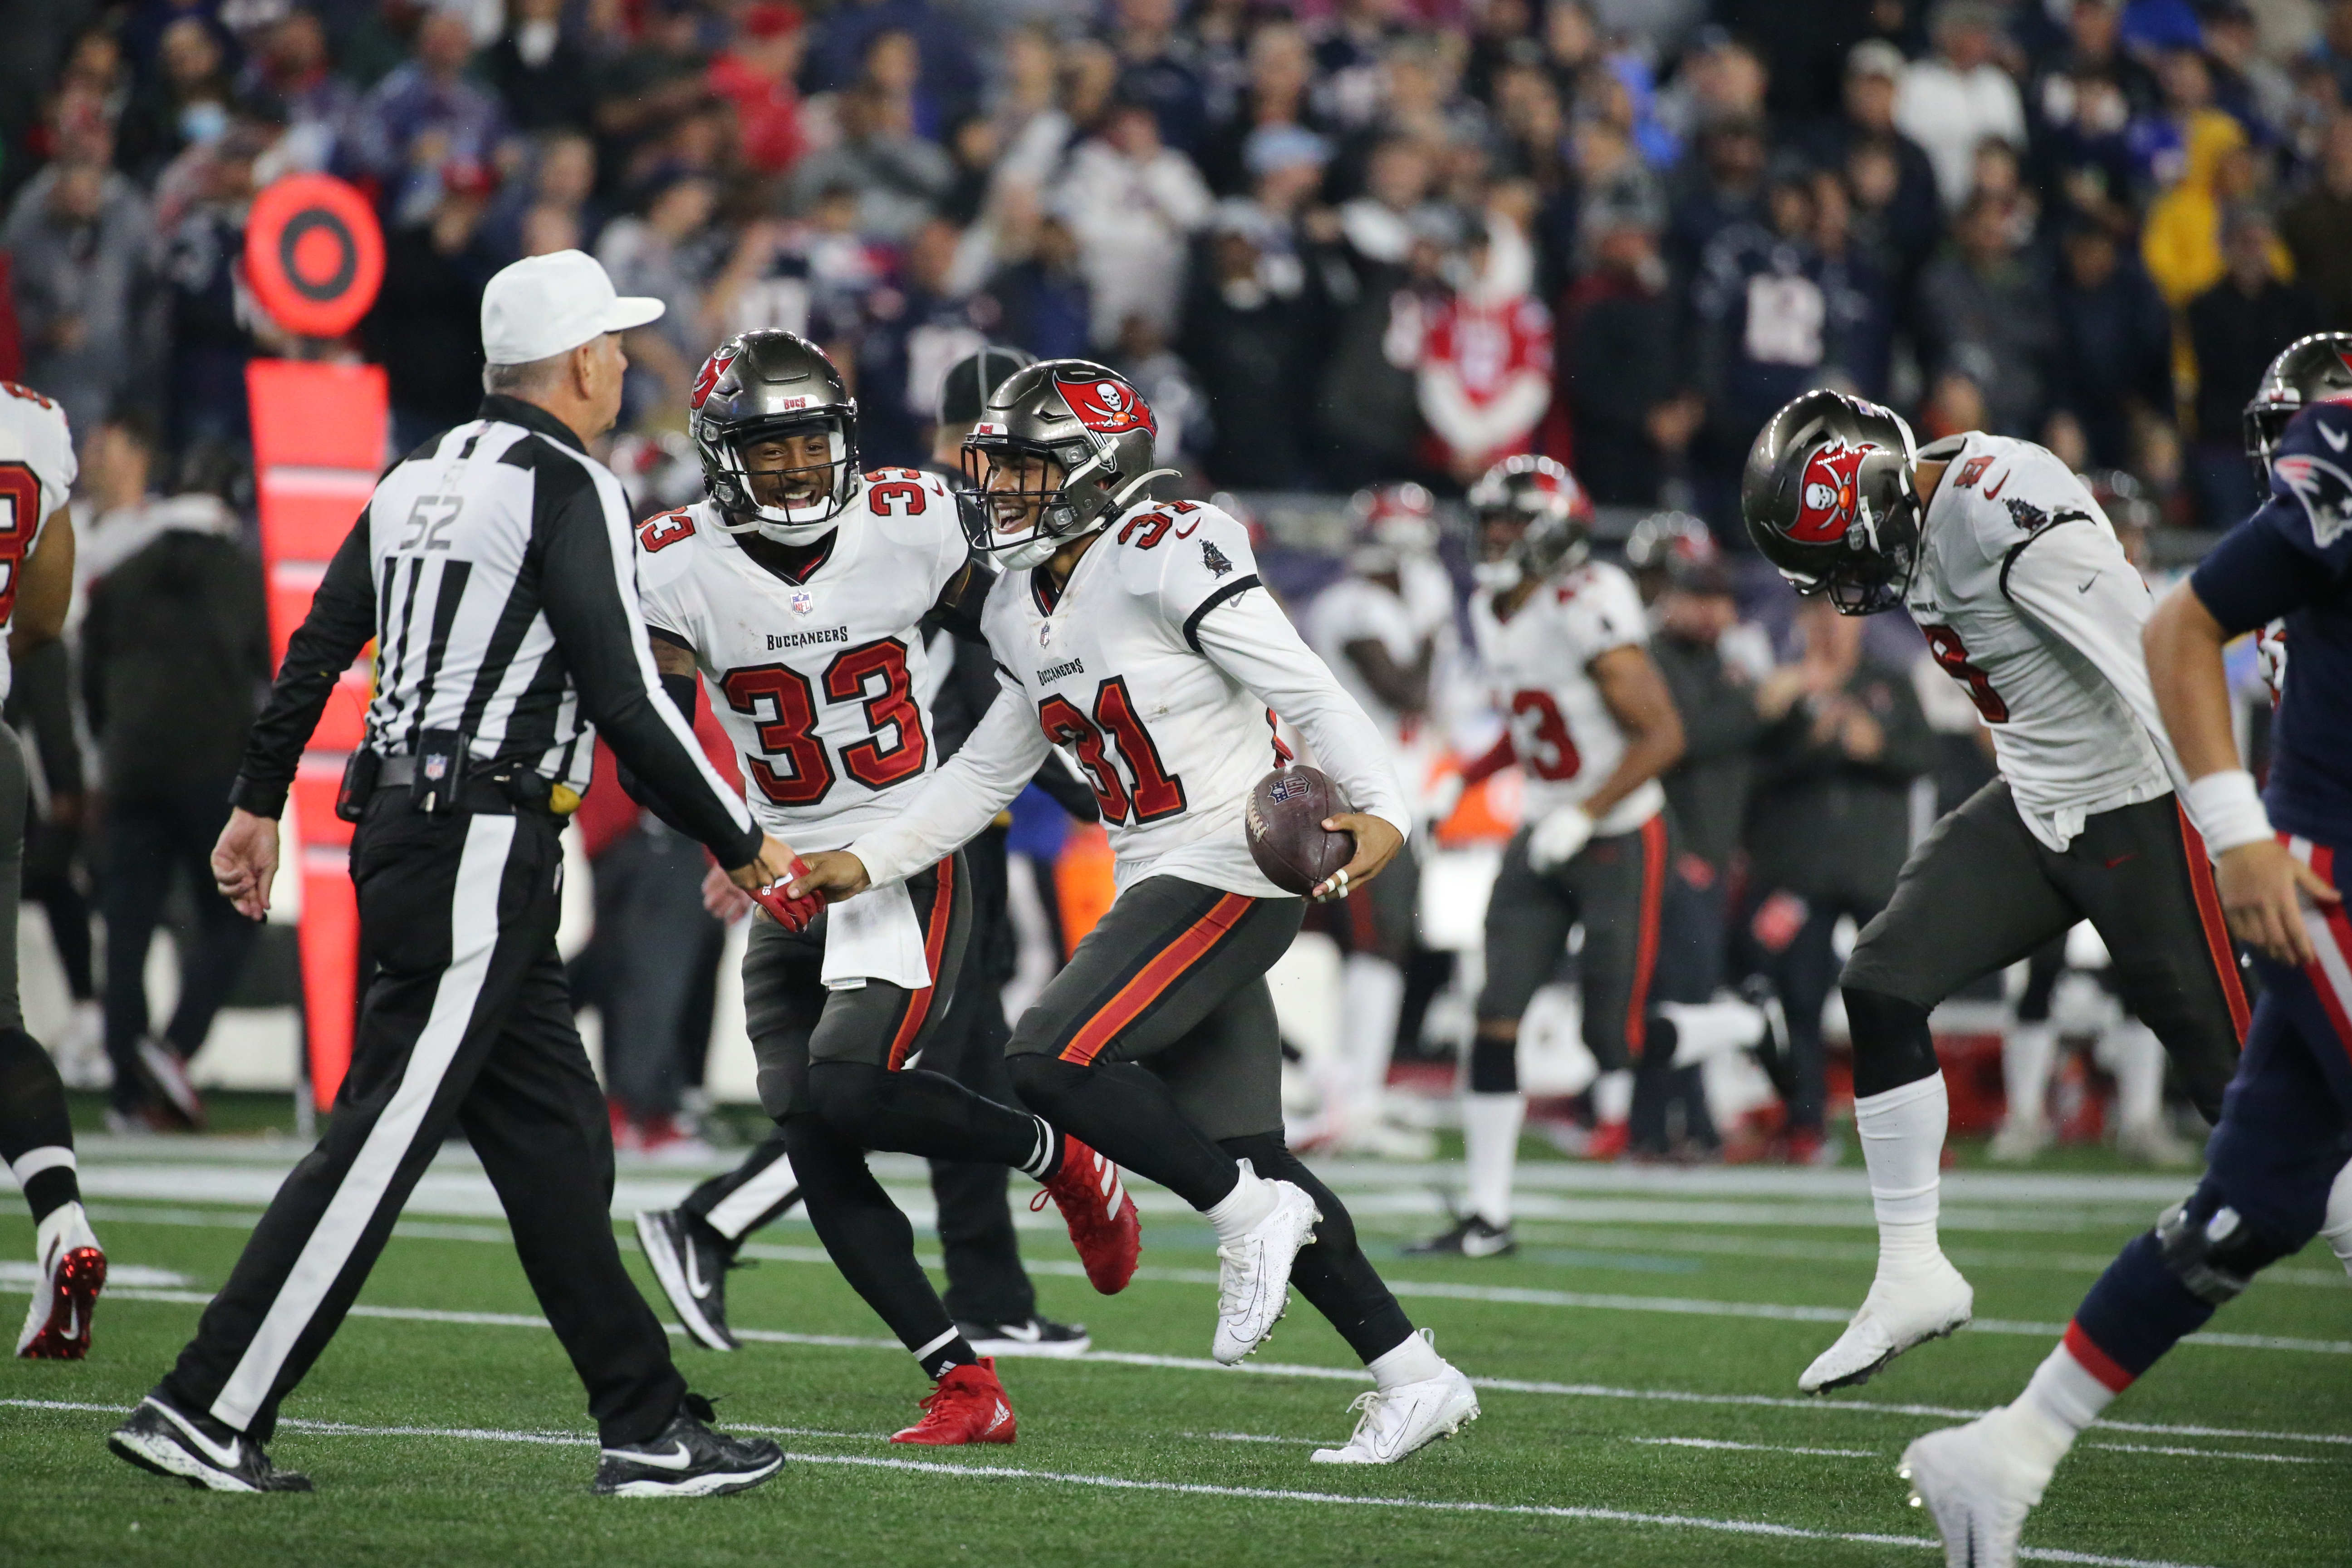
2212, 1250
1891, 1045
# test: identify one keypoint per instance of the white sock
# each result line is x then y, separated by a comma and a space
2063, 1397
1612, 1096
1705, 1030
1490, 1138
1414, 1361
2132, 1052
1902, 1133
1372, 994
2338, 1228
1244, 1208
2026, 1053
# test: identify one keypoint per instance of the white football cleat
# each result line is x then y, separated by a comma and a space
73, 1271
1894, 1316
1254, 1272
1977, 1484
1407, 1418
2020, 1138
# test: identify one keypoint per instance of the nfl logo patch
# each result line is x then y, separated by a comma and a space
437, 767
1286, 787
804, 602
1045, 634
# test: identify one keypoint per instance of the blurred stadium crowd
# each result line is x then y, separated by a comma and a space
1337, 243
1335, 240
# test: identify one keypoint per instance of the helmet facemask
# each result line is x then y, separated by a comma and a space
804, 498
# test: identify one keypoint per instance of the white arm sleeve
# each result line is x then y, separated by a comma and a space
951, 807
2076, 581
1250, 639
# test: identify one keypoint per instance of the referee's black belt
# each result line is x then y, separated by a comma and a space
495, 787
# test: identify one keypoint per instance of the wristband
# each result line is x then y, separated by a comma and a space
2228, 810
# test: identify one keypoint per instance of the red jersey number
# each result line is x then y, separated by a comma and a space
896, 498
20, 500
1540, 736
1155, 793
876, 675
777, 699
1945, 644
661, 532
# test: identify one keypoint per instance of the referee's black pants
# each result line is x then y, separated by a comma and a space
465, 1027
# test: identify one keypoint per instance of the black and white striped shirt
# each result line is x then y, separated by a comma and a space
496, 569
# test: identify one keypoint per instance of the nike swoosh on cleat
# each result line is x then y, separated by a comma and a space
1026, 1333
226, 1459
672, 1461
693, 1271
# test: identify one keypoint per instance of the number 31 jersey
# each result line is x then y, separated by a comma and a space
2027, 599
821, 684
36, 475
1539, 665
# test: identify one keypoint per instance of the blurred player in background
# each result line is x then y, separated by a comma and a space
2287, 1122
1562, 640
37, 551
1387, 631
2025, 597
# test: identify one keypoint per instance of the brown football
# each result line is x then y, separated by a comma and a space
1285, 827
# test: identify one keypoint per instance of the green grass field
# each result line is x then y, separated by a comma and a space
1639, 1409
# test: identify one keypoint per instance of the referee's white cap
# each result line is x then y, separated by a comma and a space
543, 305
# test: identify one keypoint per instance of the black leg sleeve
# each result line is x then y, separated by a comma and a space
33, 1116
1129, 1114
916, 1113
1333, 1274
863, 1233
1891, 1043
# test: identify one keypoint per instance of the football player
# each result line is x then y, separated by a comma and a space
1138, 635
796, 590
1563, 641
37, 551
2288, 1115
988, 1295
2026, 598
1386, 631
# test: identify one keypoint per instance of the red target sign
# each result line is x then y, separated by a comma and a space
314, 255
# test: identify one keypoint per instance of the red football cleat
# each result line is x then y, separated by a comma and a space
73, 1273
968, 1406
1101, 1216
1609, 1140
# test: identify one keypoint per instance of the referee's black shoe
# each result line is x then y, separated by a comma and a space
691, 1261
689, 1460
163, 1438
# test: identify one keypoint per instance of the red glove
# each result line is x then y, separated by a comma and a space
793, 914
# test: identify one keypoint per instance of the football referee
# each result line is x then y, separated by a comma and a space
495, 569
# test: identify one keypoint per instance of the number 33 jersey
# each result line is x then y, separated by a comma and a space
2027, 599
1540, 663
36, 475
823, 685
1153, 669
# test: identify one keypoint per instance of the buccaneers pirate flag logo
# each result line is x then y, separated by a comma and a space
1827, 498
1105, 407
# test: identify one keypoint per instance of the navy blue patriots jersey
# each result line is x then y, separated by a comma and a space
2293, 559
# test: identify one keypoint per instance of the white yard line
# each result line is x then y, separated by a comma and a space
1756, 1448
2207, 1453
1319, 1373
975, 1471
1437, 1289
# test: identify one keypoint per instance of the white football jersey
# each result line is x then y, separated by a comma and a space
1158, 668
1539, 665
1356, 609
823, 685
2027, 600
37, 476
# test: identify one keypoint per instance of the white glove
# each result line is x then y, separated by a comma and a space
1559, 838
